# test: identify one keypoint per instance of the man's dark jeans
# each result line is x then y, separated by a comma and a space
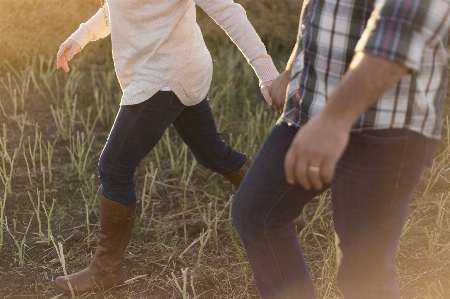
138, 128
371, 190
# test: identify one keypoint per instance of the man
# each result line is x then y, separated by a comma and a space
367, 83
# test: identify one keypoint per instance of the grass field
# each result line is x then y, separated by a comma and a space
54, 125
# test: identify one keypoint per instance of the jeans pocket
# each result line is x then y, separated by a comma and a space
379, 150
384, 136
390, 157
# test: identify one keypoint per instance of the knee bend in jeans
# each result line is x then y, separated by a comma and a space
117, 182
248, 224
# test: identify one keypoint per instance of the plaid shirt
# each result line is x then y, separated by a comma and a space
413, 33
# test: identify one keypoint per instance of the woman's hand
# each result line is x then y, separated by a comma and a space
65, 53
265, 92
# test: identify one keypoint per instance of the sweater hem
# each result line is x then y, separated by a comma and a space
150, 91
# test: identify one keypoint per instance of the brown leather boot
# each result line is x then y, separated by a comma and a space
236, 179
106, 269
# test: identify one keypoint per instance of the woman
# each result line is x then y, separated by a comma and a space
165, 71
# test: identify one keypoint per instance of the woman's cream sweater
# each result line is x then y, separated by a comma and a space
157, 43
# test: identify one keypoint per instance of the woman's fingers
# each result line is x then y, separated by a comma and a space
266, 94
61, 57
65, 53
74, 48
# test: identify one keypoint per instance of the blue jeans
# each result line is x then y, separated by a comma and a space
371, 190
138, 128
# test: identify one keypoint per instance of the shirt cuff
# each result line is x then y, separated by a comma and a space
82, 36
265, 69
393, 40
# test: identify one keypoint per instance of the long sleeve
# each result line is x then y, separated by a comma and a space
158, 43
401, 30
233, 20
95, 28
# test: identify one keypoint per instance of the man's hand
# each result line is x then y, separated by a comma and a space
278, 89
274, 91
313, 155
65, 53
314, 152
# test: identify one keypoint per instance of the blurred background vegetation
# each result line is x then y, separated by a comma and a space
30, 27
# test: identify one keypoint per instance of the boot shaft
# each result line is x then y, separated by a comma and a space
116, 225
236, 177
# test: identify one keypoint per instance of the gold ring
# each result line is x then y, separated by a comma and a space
314, 168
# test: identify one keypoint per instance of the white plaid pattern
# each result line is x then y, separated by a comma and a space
411, 32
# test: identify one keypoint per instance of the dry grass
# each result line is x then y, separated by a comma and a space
184, 245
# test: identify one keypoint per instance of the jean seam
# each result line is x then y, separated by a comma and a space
201, 145
122, 142
270, 245
174, 106
394, 193
402, 161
